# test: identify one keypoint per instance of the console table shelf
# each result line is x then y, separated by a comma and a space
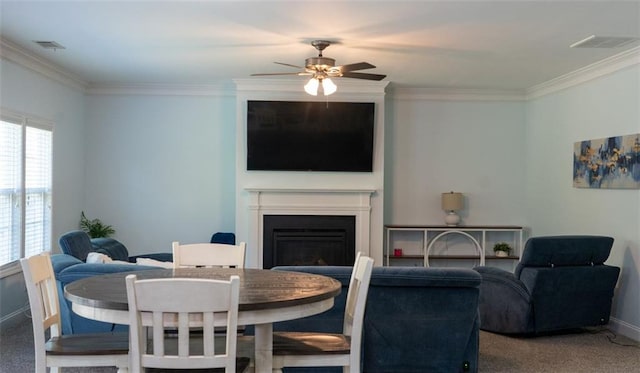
433, 245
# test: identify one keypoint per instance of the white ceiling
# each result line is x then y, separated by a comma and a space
511, 45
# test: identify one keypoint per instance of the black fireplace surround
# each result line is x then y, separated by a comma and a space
308, 240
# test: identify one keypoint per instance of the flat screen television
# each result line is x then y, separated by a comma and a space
310, 136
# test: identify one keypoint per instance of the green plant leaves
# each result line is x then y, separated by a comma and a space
95, 228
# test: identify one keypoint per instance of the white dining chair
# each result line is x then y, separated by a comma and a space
156, 305
74, 350
318, 349
208, 255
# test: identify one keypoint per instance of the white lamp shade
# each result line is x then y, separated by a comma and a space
452, 201
328, 86
312, 87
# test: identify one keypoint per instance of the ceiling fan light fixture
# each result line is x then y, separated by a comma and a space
322, 68
312, 86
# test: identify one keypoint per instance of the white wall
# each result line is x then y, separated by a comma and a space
607, 106
25, 91
473, 147
160, 168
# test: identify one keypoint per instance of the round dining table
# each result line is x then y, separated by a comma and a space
266, 297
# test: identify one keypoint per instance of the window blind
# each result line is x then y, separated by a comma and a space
25, 187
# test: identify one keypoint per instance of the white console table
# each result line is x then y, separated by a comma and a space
434, 245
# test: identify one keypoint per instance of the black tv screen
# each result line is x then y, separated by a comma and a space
310, 136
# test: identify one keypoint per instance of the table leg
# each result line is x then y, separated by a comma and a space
264, 348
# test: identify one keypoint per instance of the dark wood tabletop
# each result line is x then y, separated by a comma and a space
259, 289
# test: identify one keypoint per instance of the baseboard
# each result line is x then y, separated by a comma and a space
624, 328
14, 318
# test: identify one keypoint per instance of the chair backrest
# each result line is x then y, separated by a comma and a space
76, 243
562, 251
356, 301
228, 238
43, 300
208, 255
164, 304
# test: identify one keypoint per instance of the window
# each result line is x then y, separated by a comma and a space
25, 187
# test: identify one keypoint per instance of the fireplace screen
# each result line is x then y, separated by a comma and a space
308, 240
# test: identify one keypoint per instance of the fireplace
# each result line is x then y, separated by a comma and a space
263, 202
308, 240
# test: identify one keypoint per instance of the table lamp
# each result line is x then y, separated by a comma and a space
451, 202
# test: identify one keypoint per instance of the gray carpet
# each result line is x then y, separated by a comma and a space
594, 350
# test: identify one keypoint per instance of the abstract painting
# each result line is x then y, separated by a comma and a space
608, 163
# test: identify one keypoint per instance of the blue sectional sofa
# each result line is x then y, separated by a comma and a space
68, 269
417, 319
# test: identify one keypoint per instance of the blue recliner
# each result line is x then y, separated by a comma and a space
561, 283
417, 319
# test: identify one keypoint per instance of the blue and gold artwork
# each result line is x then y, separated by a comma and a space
608, 163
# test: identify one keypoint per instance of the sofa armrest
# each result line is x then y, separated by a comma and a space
63, 261
505, 303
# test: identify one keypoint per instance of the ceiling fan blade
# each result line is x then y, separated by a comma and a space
290, 65
267, 74
355, 66
363, 76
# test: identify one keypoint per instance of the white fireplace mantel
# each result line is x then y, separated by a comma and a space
282, 201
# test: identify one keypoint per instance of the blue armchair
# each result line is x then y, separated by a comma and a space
560, 283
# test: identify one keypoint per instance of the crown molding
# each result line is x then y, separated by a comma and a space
595, 70
456, 94
150, 89
15, 54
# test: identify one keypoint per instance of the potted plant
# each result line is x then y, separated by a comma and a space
95, 228
502, 249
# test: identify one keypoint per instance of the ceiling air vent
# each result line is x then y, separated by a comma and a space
604, 42
48, 44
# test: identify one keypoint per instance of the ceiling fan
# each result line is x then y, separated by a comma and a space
322, 69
